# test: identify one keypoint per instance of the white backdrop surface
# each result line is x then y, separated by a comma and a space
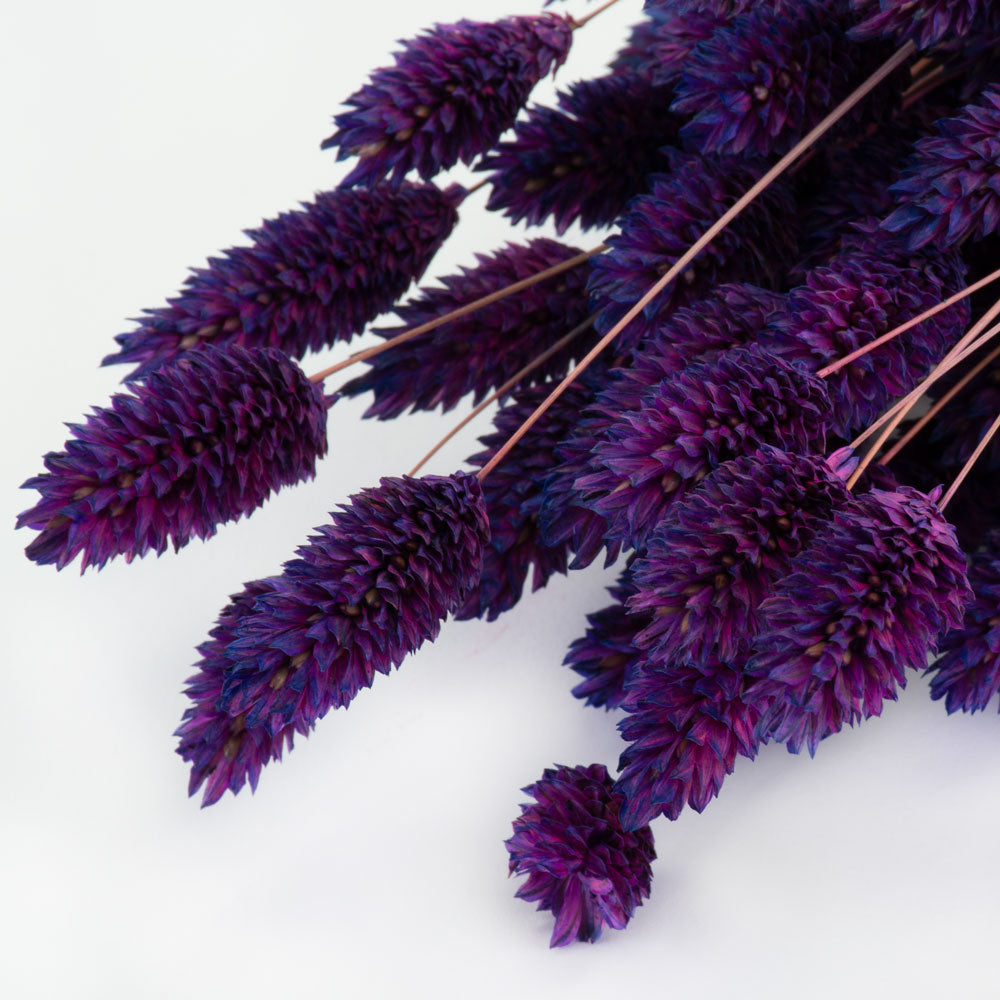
139, 139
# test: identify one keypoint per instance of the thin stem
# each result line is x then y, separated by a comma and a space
471, 307
941, 403
579, 22
967, 468
682, 262
504, 389
908, 401
475, 187
908, 325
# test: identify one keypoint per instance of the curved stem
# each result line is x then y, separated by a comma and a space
579, 22
471, 307
682, 262
504, 389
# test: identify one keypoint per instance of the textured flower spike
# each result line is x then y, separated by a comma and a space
222, 752
761, 82
582, 161
478, 352
926, 22
967, 675
660, 226
452, 92
950, 188
309, 278
365, 590
580, 863
866, 600
858, 297
607, 654
511, 494
692, 422
719, 552
685, 726
201, 442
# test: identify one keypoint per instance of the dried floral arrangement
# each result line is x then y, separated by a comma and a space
770, 392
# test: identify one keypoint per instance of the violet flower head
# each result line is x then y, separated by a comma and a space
580, 863
452, 92
222, 752
866, 600
512, 494
606, 655
967, 675
858, 297
925, 22
692, 422
949, 190
204, 441
685, 727
582, 161
762, 81
477, 353
369, 587
719, 552
309, 278
658, 227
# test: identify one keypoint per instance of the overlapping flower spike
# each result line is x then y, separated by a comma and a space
658, 46
949, 190
763, 80
606, 655
926, 22
452, 92
580, 863
967, 675
309, 278
660, 226
511, 494
867, 599
369, 587
718, 553
858, 297
582, 161
222, 752
479, 352
204, 441
692, 422
685, 726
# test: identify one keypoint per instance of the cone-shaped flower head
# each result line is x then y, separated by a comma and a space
694, 421
607, 654
967, 675
658, 227
950, 188
719, 552
478, 352
926, 22
685, 728
512, 493
580, 863
762, 81
308, 279
867, 599
365, 590
222, 752
857, 298
453, 91
201, 442
582, 161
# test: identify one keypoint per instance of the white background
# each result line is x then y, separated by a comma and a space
138, 139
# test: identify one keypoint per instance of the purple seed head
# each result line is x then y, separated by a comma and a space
199, 443
308, 279
581, 864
